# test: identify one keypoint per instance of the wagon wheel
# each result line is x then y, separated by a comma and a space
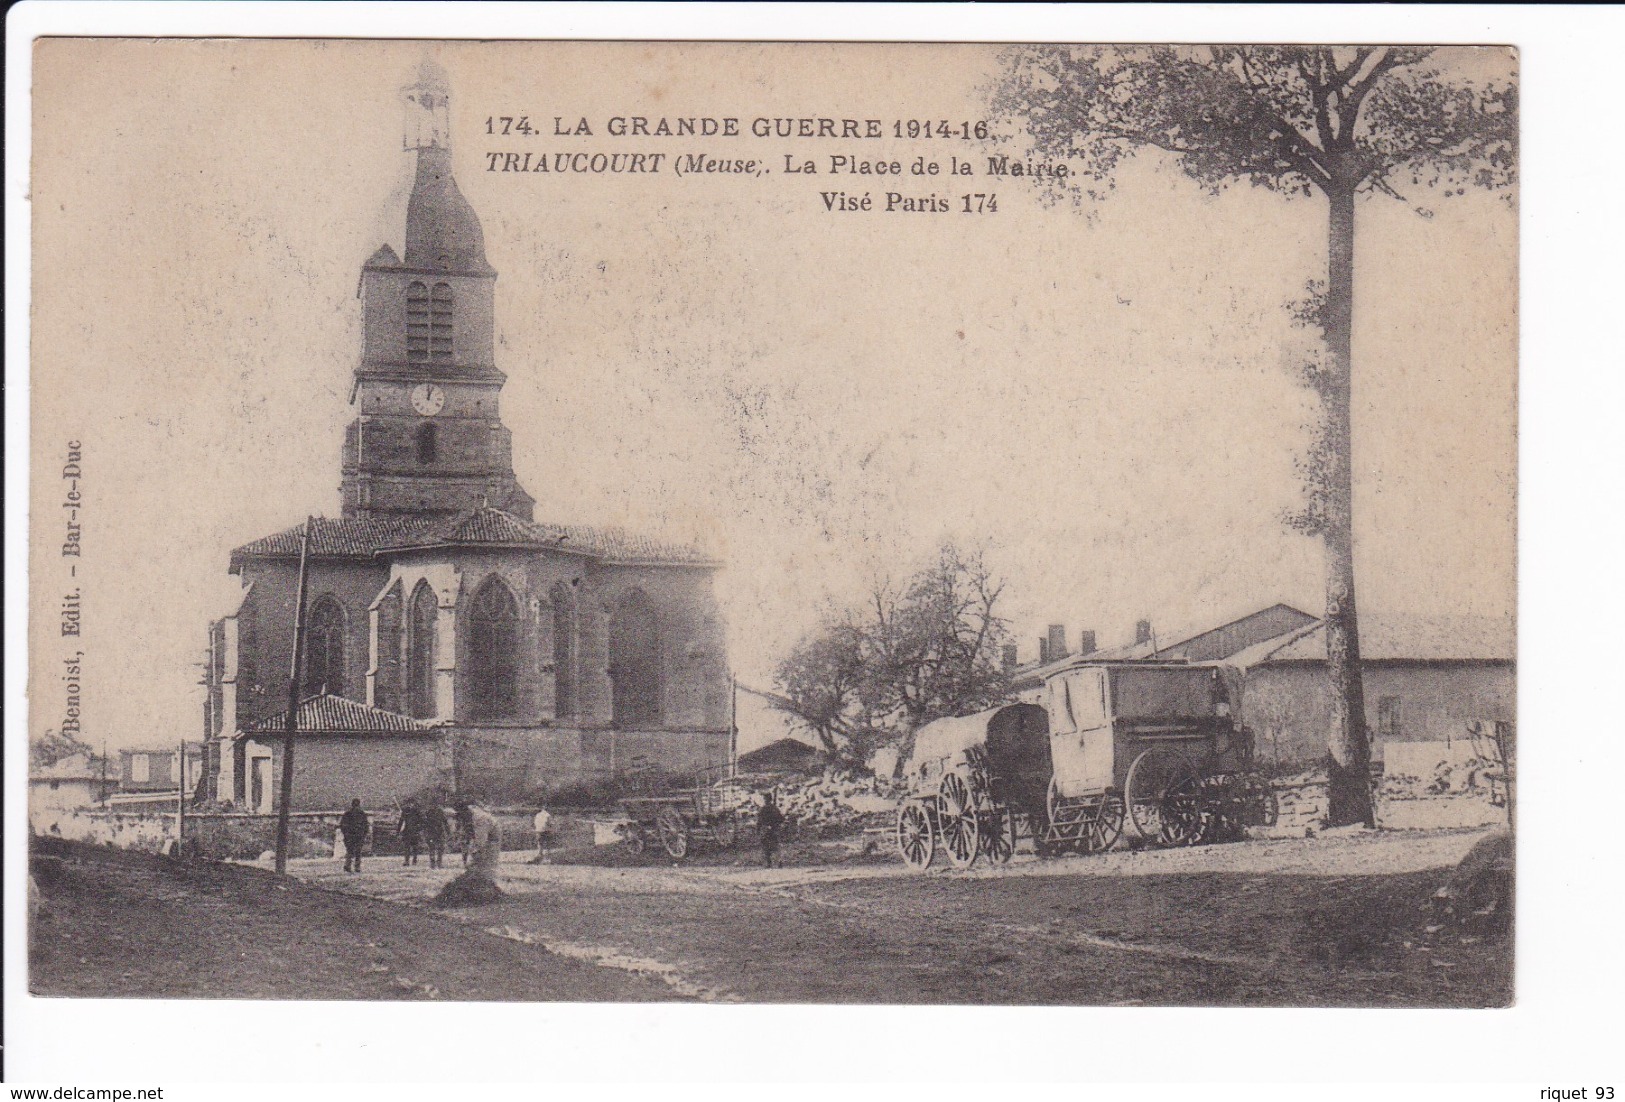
635, 842
1106, 826
1188, 813
956, 819
673, 832
999, 835
725, 829
914, 838
1153, 775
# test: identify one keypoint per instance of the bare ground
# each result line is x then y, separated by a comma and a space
1330, 921
123, 925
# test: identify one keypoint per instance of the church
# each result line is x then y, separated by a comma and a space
451, 638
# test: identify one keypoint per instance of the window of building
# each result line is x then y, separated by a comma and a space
386, 685
324, 648
564, 650
493, 653
427, 443
634, 661
417, 322
425, 610
1390, 718
140, 768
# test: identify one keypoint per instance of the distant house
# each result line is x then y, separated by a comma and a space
74, 782
787, 755
156, 770
343, 750
761, 721
1425, 680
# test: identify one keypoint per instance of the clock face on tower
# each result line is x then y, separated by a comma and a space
428, 399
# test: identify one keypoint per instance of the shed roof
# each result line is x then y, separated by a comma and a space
337, 715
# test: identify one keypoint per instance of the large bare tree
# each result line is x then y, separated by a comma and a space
930, 648
1338, 123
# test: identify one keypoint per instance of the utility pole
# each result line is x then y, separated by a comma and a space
733, 729
180, 800
293, 701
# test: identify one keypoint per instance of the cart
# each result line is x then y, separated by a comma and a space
1147, 749
1144, 750
675, 821
976, 785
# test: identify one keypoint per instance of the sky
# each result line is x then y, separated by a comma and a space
1102, 397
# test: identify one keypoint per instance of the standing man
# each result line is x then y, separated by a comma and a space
354, 826
543, 824
435, 829
769, 822
411, 831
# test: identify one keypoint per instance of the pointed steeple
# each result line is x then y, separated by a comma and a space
442, 231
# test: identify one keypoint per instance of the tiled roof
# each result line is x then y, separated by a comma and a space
354, 537
328, 714
349, 537
1413, 638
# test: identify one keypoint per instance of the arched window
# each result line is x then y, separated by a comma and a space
324, 648
386, 685
493, 653
564, 650
634, 661
417, 322
440, 322
427, 444
420, 633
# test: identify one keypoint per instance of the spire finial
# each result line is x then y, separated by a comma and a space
427, 101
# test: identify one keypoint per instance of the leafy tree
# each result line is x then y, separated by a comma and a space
1338, 123
931, 648
52, 747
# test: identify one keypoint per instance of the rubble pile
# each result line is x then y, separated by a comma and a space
834, 803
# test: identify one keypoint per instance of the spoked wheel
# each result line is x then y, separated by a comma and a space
1106, 826
999, 835
956, 818
635, 842
914, 838
725, 829
1153, 775
1259, 805
673, 833
1187, 814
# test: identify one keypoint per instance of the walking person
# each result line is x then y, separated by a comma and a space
411, 831
354, 826
465, 830
435, 829
769, 823
543, 825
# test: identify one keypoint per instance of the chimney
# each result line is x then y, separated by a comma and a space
1086, 642
1009, 656
1043, 650
1142, 631
1057, 642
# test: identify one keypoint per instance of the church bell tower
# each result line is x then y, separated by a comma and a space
427, 439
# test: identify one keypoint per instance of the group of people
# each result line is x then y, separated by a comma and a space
426, 828
480, 835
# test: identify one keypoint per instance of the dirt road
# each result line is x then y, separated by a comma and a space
124, 925
1334, 921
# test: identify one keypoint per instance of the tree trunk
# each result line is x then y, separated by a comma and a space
1349, 761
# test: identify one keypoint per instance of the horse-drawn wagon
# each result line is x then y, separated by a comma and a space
1139, 748
708, 814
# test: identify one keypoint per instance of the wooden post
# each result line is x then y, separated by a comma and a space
292, 728
733, 729
180, 801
